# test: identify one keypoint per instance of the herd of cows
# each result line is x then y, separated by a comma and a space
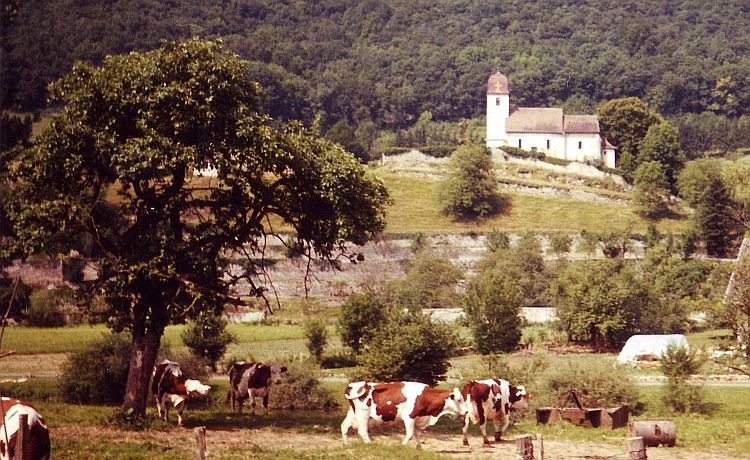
415, 404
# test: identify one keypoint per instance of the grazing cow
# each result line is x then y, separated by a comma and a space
416, 404
492, 399
36, 444
169, 385
248, 380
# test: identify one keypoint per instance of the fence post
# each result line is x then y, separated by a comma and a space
200, 442
636, 448
23, 436
541, 446
524, 448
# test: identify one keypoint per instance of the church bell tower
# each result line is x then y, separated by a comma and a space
498, 110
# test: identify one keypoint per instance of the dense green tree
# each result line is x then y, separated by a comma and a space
133, 129
603, 302
431, 281
651, 189
662, 144
493, 307
470, 191
359, 318
207, 337
625, 123
736, 176
713, 218
411, 347
345, 136
524, 263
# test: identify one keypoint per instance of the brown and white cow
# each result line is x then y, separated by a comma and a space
492, 400
170, 386
36, 444
248, 380
416, 404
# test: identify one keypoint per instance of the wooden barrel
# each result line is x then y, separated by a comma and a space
654, 432
636, 448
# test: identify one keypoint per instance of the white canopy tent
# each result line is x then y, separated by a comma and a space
649, 347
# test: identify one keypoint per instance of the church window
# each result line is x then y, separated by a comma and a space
580, 145
497, 101
547, 144
519, 143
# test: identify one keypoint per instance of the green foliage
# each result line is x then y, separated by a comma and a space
97, 374
651, 189
411, 347
603, 302
493, 308
678, 364
497, 240
20, 305
470, 191
15, 131
709, 133
662, 144
738, 309
420, 243
596, 385
45, 309
625, 123
316, 337
208, 338
359, 318
524, 263
136, 127
338, 359
431, 281
560, 244
713, 218
300, 389
345, 136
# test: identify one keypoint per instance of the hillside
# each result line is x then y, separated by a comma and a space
384, 62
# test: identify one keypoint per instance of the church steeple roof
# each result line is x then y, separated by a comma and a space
497, 84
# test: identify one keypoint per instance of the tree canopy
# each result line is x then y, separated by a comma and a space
117, 165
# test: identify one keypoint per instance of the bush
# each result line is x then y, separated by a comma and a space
193, 366
44, 308
470, 190
97, 375
411, 347
300, 389
430, 282
497, 240
316, 336
493, 307
208, 338
359, 317
438, 151
338, 359
678, 364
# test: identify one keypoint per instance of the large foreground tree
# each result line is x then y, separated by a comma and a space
116, 165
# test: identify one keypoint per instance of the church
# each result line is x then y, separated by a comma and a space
546, 130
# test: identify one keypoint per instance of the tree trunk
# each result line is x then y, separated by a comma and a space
142, 358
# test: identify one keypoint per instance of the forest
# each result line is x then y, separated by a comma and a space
388, 61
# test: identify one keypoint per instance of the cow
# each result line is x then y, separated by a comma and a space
36, 444
169, 385
416, 404
248, 380
491, 399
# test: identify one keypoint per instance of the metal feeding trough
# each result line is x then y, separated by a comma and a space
614, 417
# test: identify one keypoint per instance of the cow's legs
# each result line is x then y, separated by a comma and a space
158, 405
251, 395
496, 425
265, 404
164, 407
506, 422
417, 437
467, 422
409, 425
179, 408
361, 421
349, 420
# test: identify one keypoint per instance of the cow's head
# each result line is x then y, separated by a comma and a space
519, 398
276, 372
456, 404
195, 388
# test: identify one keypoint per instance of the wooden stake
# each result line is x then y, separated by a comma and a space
524, 448
200, 442
541, 446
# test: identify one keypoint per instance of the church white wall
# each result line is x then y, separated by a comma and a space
538, 141
590, 147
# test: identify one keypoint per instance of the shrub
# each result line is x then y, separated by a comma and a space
470, 190
338, 359
497, 240
359, 317
208, 338
97, 375
411, 347
430, 282
493, 307
300, 389
316, 336
20, 304
678, 364
44, 308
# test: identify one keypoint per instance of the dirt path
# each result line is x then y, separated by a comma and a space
221, 443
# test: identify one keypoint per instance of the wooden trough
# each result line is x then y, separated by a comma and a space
614, 417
